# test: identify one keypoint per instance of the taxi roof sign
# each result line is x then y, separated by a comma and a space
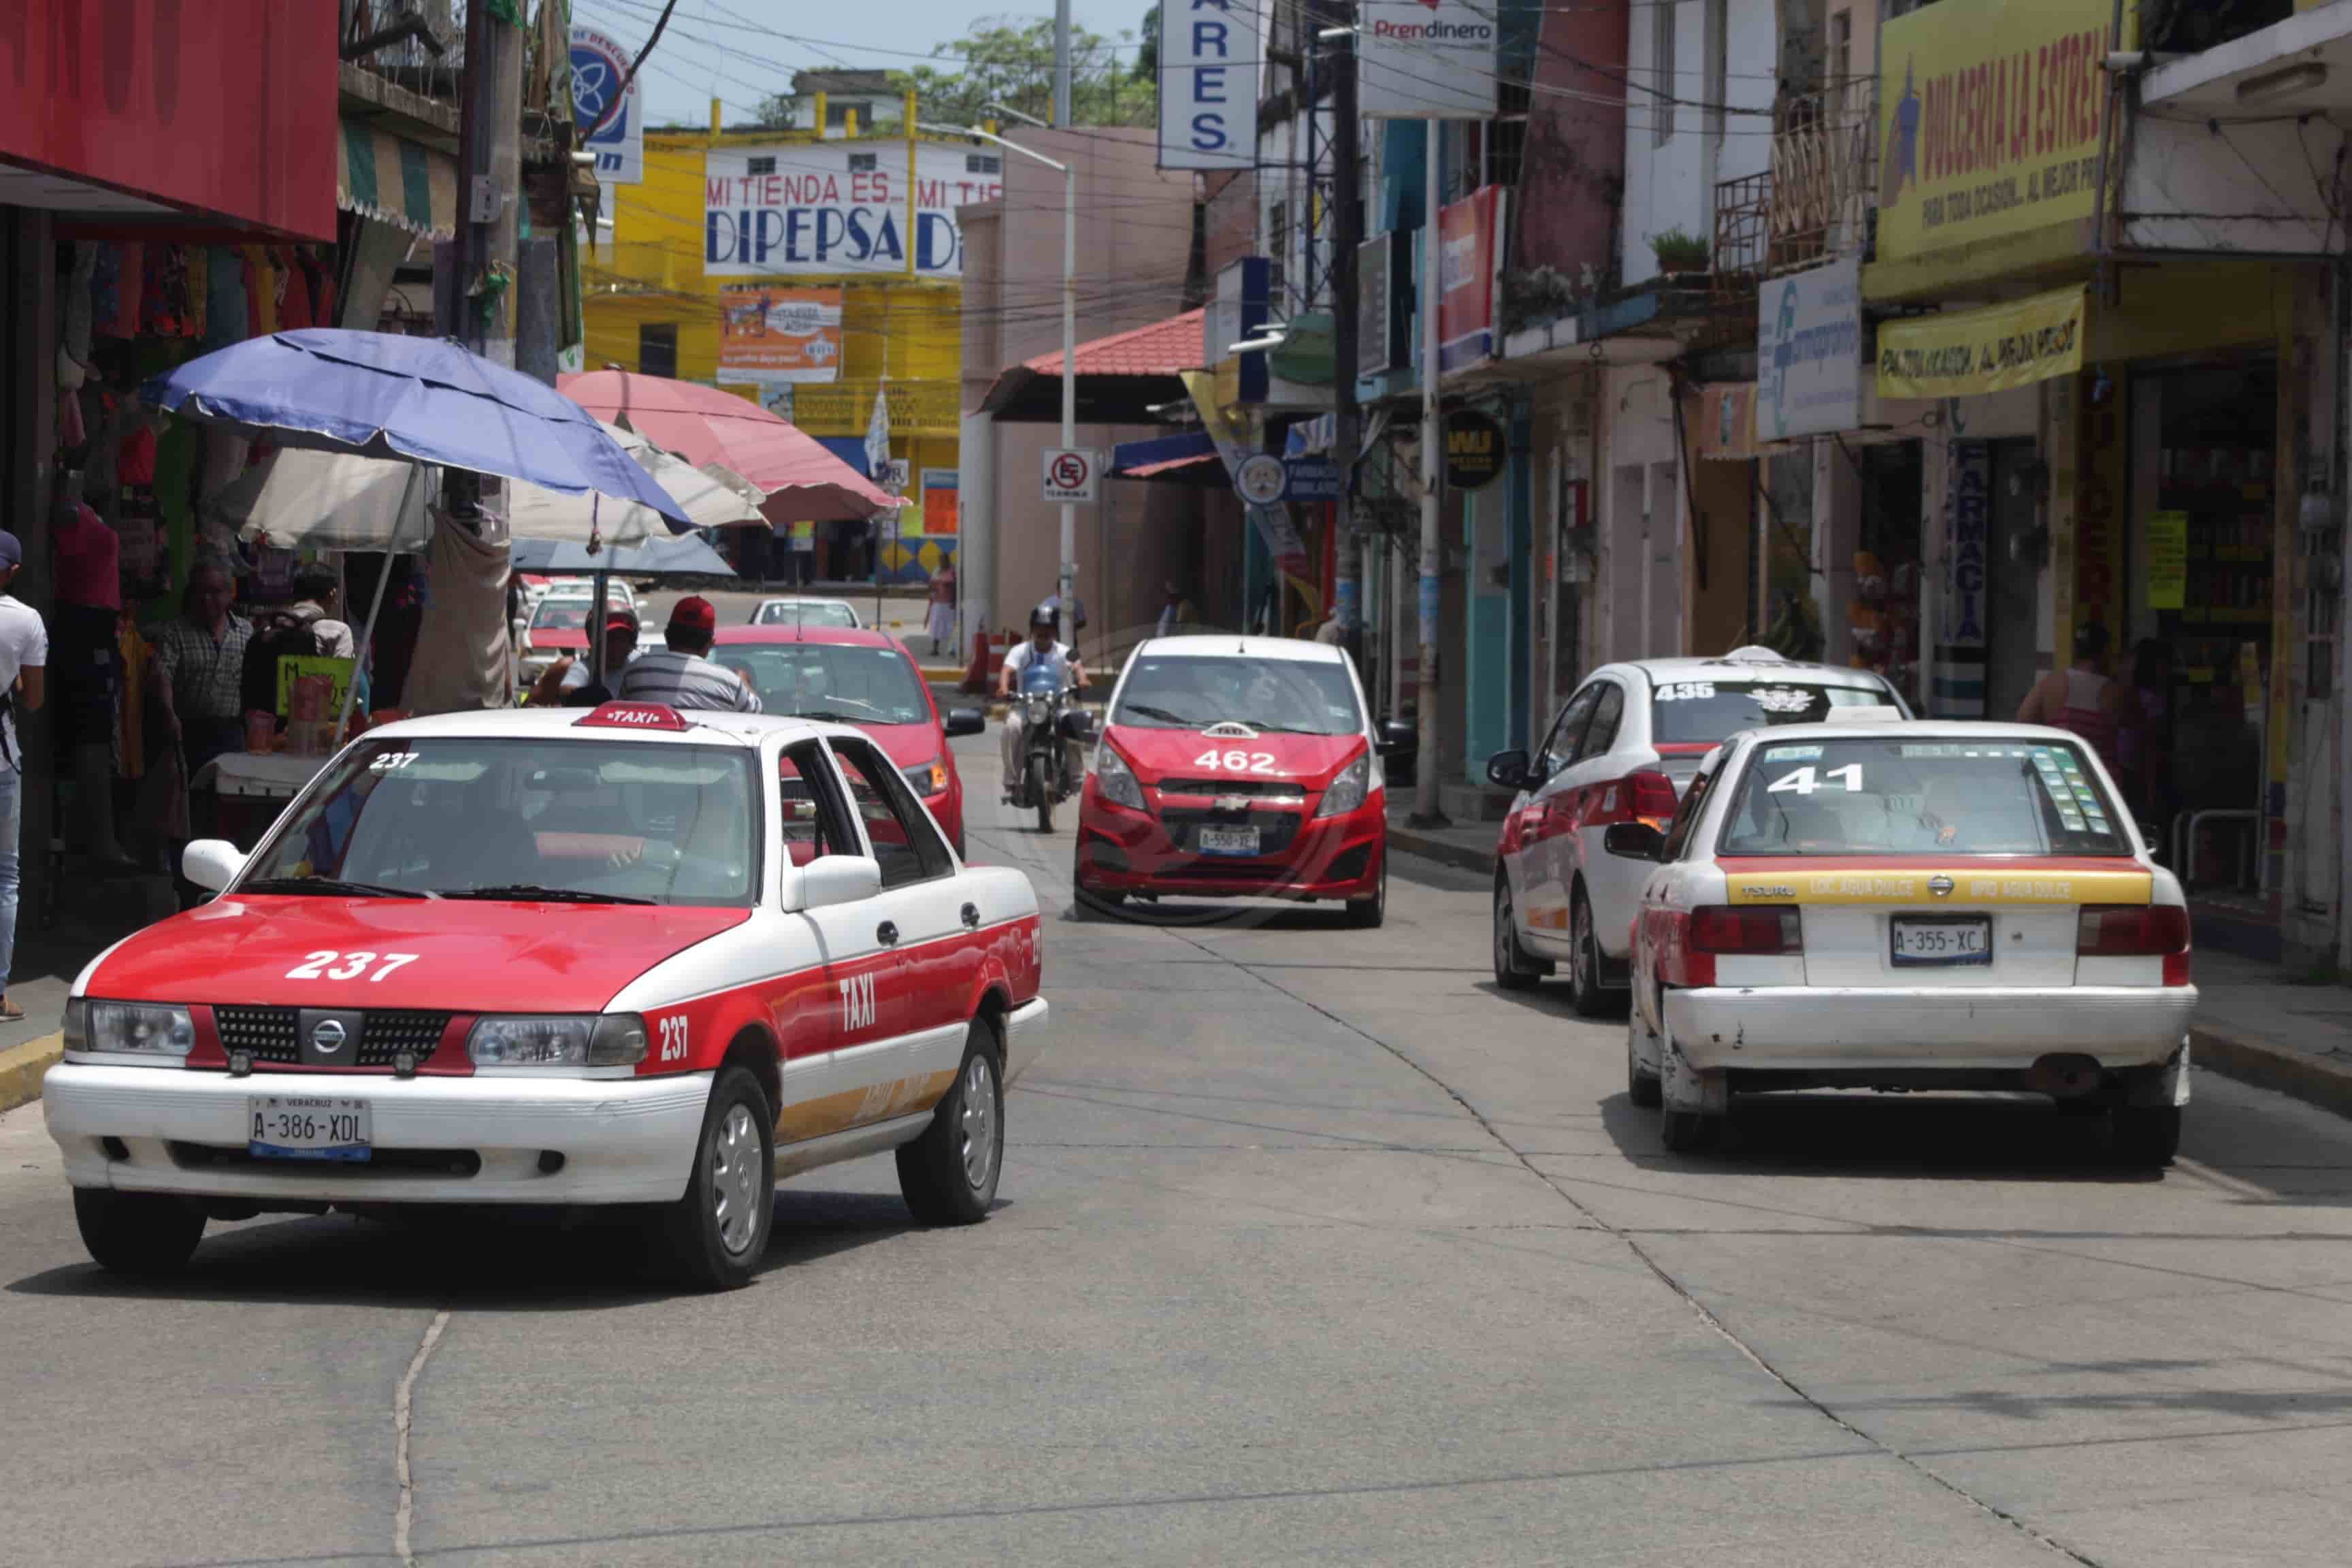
634, 716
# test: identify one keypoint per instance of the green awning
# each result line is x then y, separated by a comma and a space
388, 177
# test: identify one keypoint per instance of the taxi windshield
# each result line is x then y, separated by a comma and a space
853, 684
1165, 692
805, 613
1933, 796
601, 821
1686, 712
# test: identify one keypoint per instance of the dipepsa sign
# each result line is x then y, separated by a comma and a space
824, 210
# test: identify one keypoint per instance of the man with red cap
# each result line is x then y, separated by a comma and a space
568, 682
681, 675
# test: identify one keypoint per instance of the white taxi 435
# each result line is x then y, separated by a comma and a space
543, 957
1907, 906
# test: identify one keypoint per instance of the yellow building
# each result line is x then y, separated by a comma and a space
653, 307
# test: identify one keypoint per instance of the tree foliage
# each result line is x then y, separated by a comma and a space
1010, 60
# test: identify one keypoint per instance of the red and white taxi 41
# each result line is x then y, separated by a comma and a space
1908, 906
543, 957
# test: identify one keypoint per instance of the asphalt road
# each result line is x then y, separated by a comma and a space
1313, 1247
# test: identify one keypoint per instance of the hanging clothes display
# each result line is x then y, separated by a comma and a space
464, 652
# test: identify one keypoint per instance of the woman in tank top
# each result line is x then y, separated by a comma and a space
2080, 698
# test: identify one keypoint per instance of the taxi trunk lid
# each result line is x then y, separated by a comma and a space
1945, 922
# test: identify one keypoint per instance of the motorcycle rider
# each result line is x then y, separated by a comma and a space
1068, 672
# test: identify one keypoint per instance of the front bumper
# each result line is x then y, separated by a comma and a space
1125, 851
623, 1141
1025, 1037
1803, 1029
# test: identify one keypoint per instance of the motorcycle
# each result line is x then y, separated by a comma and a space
1048, 716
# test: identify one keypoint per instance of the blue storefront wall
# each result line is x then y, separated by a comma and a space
1497, 533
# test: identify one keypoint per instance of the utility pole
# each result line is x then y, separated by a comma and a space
1346, 238
1062, 65
1426, 812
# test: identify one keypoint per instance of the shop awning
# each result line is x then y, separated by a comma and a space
1160, 455
390, 178
1120, 378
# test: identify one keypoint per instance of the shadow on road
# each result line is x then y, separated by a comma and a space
1227, 916
493, 1260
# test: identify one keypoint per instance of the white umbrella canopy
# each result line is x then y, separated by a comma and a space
305, 499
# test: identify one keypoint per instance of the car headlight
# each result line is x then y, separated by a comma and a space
1347, 790
130, 1028
1115, 781
928, 778
557, 1040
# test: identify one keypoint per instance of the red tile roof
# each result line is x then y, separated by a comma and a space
1163, 348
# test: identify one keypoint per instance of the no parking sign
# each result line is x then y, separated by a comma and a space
1071, 473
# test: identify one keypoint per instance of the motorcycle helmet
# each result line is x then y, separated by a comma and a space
1043, 615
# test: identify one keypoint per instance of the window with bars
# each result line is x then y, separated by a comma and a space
657, 348
1277, 247
766, 165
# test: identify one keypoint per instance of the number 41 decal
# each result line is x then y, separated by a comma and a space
1803, 782
348, 965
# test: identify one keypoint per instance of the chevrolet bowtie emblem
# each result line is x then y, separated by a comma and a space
1230, 802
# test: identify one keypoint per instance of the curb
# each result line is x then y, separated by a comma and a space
22, 1068
2315, 1080
1464, 857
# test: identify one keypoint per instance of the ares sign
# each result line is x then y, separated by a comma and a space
1071, 473
1208, 84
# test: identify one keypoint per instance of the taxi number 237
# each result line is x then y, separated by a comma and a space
328, 964
1236, 762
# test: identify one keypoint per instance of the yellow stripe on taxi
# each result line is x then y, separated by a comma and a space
1917, 886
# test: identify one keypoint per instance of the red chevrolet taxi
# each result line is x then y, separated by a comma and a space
864, 677
1233, 766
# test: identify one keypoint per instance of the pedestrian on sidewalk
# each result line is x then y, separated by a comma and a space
2080, 698
24, 660
197, 677
943, 606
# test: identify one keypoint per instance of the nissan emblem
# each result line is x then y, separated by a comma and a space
328, 1037
1939, 884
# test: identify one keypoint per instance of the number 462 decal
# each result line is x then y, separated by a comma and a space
329, 964
1236, 762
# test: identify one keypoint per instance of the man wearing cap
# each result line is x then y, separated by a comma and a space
568, 682
681, 675
23, 659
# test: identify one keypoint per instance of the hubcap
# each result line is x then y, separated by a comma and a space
735, 1194
1583, 943
978, 1144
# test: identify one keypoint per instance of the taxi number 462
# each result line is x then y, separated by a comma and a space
328, 964
1236, 762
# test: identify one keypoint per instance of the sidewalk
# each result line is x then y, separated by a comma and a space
2255, 1022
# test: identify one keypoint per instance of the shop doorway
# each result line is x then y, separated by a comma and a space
2012, 578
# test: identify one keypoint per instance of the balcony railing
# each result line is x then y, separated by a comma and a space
1821, 176
410, 30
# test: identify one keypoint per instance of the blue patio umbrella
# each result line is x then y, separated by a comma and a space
428, 400
685, 555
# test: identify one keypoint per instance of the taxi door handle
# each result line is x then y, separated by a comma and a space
886, 933
971, 917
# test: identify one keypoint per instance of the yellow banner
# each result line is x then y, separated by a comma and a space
1988, 119
842, 408
1963, 352
1972, 888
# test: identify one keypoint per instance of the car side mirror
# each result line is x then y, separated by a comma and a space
1077, 724
1508, 769
1397, 737
966, 721
1633, 841
212, 864
830, 880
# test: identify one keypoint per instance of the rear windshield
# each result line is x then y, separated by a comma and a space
857, 684
1689, 711
805, 613
1170, 692
1895, 796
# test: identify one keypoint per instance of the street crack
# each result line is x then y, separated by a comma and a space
404, 1405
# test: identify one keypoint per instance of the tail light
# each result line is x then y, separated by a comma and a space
1645, 796
2135, 931
1759, 930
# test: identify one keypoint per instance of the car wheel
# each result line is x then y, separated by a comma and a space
1688, 1131
143, 1233
1513, 970
948, 1175
1367, 915
1584, 961
718, 1231
1643, 1089
1089, 898
1034, 781
2145, 1137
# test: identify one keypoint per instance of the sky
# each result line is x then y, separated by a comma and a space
742, 50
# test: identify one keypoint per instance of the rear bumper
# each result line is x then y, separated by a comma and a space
1824, 1030
1124, 851
622, 1140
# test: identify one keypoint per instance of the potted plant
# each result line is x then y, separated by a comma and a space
1678, 252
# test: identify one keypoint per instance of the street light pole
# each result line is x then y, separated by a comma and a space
1426, 812
1067, 585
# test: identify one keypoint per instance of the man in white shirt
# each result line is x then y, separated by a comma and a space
1069, 670
24, 674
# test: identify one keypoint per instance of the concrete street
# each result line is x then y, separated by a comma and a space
1313, 1246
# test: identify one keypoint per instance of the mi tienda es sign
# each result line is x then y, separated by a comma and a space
218, 108
1989, 113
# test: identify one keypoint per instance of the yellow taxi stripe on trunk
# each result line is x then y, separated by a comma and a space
1973, 887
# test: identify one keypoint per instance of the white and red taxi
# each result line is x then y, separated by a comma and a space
629, 956
1237, 766
1907, 905
1623, 748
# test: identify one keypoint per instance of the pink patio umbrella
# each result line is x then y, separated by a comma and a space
803, 481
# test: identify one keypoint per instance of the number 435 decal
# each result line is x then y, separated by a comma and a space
332, 965
1236, 762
